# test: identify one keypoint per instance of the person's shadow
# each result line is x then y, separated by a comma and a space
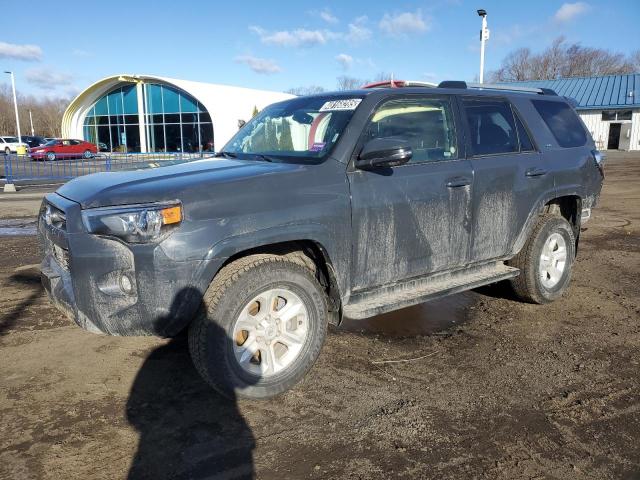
187, 430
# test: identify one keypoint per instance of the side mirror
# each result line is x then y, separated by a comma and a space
384, 152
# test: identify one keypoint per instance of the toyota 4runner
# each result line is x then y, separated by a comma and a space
339, 204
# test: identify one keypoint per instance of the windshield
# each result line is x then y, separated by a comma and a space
51, 143
10, 139
300, 128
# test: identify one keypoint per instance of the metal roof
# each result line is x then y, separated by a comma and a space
607, 92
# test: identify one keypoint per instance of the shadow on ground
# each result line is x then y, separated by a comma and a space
187, 430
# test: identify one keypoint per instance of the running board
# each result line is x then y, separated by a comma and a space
421, 289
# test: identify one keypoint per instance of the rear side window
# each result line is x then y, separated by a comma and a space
492, 126
563, 123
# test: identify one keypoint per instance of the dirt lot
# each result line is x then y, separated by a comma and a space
502, 389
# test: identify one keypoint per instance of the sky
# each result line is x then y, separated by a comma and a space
285, 44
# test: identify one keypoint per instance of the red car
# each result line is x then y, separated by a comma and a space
62, 149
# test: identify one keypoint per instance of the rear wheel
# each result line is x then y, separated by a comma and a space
87, 154
545, 261
262, 326
51, 156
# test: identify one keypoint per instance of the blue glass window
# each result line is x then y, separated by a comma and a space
170, 100
130, 99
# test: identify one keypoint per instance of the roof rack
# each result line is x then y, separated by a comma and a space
398, 84
493, 86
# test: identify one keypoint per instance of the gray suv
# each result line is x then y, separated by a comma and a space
339, 204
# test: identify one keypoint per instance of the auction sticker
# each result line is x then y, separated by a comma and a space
342, 104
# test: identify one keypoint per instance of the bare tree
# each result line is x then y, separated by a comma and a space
634, 58
47, 114
349, 83
560, 59
307, 90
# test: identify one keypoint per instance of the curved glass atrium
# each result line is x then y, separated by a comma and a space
173, 121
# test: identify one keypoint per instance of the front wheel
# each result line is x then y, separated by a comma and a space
263, 323
545, 261
51, 156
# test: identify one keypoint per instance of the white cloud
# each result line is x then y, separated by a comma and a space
404, 23
259, 65
299, 37
78, 52
47, 78
358, 31
344, 60
20, 52
569, 11
328, 17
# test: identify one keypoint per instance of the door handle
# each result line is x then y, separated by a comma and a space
456, 182
535, 172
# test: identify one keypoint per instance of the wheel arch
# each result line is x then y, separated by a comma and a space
307, 249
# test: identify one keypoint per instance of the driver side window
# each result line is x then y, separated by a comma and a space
426, 123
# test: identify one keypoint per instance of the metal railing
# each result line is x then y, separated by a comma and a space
25, 168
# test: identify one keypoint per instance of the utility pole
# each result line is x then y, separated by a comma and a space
15, 104
484, 36
33, 134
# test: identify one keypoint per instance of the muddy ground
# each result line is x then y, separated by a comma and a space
499, 389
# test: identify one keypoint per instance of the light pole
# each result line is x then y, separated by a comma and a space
15, 104
484, 36
33, 133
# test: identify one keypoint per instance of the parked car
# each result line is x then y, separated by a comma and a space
62, 149
33, 141
103, 147
338, 204
10, 145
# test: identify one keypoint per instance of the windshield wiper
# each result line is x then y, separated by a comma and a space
226, 154
264, 158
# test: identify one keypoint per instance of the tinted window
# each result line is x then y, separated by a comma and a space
563, 122
526, 145
426, 123
491, 125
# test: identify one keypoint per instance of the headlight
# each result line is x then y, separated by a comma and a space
134, 224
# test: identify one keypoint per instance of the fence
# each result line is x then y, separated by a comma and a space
25, 169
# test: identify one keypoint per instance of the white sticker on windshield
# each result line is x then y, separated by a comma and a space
344, 104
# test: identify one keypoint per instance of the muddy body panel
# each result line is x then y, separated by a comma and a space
375, 228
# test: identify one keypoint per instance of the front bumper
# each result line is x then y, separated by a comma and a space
82, 274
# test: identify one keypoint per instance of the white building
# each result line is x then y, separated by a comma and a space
608, 105
145, 113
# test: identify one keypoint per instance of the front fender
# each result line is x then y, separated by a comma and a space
338, 255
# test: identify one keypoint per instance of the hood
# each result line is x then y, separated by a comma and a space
181, 182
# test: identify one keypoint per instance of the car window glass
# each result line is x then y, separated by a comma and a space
526, 145
75, 142
491, 125
66, 142
562, 121
426, 123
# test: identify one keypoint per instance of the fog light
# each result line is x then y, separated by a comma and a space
125, 284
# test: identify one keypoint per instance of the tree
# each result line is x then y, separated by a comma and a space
285, 142
349, 83
634, 58
308, 90
47, 114
255, 111
560, 60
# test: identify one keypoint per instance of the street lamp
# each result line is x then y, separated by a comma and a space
15, 104
484, 36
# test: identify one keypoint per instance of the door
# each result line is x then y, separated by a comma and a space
625, 136
412, 219
509, 175
614, 136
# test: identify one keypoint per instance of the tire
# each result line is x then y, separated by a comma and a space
217, 341
51, 156
544, 279
7, 151
87, 154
